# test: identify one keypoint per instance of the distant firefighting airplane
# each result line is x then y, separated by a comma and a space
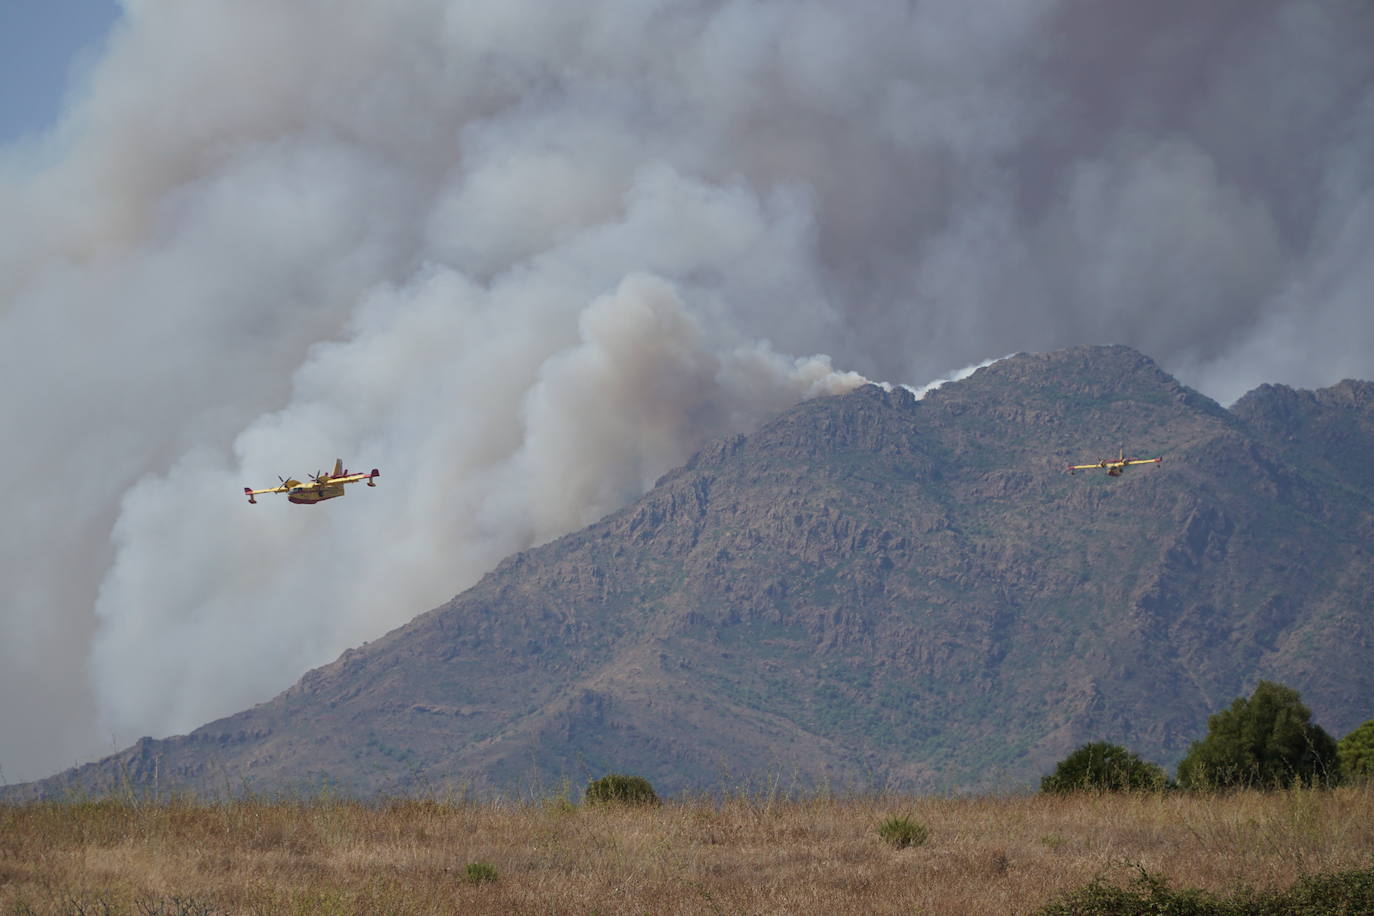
1114, 468
320, 488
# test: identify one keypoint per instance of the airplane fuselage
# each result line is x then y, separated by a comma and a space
308, 496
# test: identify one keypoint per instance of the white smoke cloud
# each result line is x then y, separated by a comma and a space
525, 257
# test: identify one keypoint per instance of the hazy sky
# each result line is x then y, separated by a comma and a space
525, 257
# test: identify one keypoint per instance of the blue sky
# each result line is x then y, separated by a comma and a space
43, 43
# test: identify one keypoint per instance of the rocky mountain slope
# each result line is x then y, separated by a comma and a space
870, 590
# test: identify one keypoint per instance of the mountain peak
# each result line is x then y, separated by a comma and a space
1327, 429
1094, 371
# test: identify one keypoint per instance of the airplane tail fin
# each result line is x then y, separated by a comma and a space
338, 468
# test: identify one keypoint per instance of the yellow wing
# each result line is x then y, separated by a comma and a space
288, 484
341, 476
1158, 460
355, 478
1095, 466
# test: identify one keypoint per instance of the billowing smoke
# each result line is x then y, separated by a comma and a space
525, 257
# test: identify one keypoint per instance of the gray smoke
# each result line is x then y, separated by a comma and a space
525, 257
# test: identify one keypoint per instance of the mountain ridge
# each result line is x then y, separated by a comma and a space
872, 589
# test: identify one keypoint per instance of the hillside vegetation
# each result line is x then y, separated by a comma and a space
700, 856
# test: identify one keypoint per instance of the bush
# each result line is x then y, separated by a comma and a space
618, 788
1102, 766
1147, 894
1266, 742
479, 873
1356, 753
903, 832
1336, 892
1333, 894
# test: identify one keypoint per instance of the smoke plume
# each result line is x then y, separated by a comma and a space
525, 257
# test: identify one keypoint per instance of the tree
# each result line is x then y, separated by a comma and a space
1356, 751
619, 788
1267, 741
1103, 766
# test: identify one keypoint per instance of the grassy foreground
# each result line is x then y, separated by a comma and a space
981, 855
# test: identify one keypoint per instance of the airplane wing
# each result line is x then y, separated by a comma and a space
355, 478
1090, 467
286, 485
1145, 460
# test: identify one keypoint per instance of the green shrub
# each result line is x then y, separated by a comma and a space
1265, 742
903, 832
1333, 894
1147, 894
1356, 753
479, 873
618, 788
1102, 766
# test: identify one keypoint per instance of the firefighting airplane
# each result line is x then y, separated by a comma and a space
1114, 468
320, 488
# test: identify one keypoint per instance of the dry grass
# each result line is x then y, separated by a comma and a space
984, 855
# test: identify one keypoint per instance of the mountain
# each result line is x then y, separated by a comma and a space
870, 589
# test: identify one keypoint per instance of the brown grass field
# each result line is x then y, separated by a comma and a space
764, 856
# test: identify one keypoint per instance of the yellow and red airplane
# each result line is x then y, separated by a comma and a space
320, 488
1114, 468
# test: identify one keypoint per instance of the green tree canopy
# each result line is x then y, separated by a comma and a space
1267, 741
1103, 766
620, 788
1356, 751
